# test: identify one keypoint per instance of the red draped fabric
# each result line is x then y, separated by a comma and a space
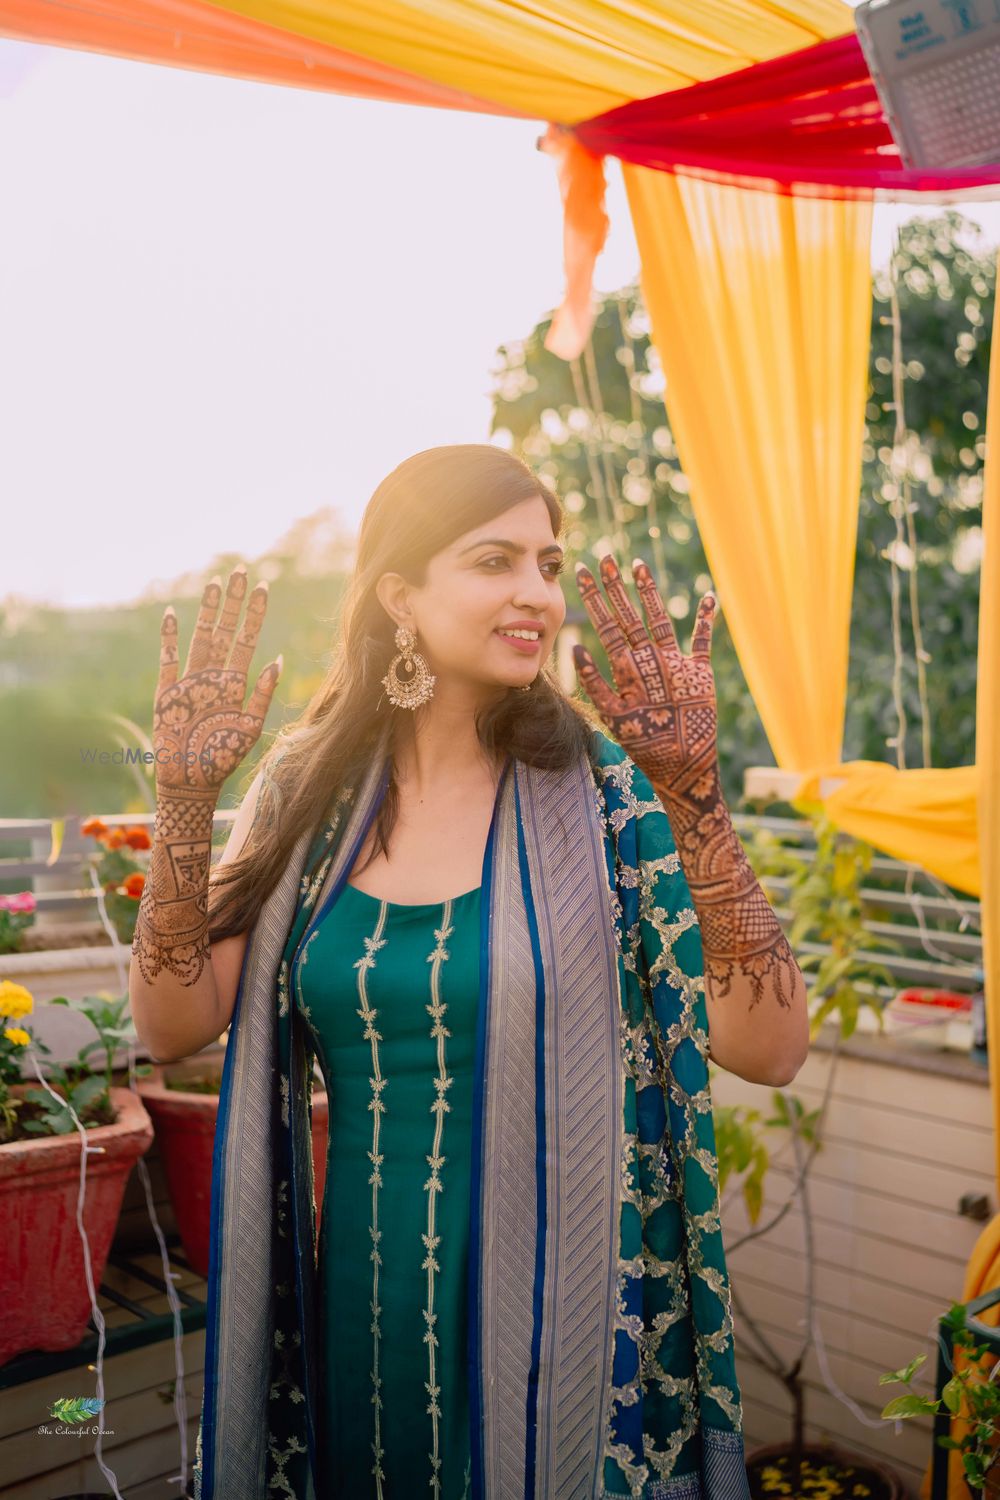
810, 122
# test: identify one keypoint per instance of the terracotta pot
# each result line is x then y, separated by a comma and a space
43, 1282
825, 1453
185, 1134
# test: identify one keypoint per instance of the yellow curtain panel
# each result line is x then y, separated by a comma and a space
760, 310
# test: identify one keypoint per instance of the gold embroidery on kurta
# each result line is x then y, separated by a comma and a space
378, 1083
433, 1185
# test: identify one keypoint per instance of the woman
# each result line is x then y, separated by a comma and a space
454, 891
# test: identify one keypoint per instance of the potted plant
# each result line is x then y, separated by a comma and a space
182, 1099
965, 1404
825, 900
43, 1279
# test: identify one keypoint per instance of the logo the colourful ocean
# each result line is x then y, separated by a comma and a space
75, 1408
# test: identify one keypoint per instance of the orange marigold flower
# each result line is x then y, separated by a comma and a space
115, 839
134, 884
94, 827
138, 838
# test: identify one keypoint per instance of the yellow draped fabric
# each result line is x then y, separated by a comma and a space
929, 817
558, 60
760, 306
947, 820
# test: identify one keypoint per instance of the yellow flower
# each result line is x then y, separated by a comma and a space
17, 1035
15, 1000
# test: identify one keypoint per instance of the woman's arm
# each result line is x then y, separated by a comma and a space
754, 989
177, 1014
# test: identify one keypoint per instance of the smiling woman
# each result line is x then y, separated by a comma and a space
461, 901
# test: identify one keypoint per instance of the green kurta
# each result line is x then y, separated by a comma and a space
391, 994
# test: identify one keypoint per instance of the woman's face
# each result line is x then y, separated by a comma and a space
501, 574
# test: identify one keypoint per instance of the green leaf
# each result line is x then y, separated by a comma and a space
952, 1394
58, 833
909, 1406
906, 1374
86, 1092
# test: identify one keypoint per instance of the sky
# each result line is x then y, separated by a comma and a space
228, 304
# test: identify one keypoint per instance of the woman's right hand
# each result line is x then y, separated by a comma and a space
201, 731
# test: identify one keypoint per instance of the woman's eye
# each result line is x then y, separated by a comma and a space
556, 567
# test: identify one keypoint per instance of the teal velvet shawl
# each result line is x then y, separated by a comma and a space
600, 1359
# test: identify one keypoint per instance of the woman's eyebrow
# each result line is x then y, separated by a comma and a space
499, 541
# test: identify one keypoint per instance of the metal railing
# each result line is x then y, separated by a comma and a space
938, 929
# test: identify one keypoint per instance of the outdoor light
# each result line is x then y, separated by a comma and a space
936, 66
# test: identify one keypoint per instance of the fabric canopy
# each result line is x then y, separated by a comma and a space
811, 120
558, 60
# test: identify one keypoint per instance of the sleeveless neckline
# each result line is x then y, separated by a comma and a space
412, 905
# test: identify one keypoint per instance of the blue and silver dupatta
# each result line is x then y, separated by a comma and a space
600, 1355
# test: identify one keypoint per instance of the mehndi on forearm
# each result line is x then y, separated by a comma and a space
171, 930
741, 936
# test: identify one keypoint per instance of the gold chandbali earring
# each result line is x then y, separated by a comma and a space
414, 690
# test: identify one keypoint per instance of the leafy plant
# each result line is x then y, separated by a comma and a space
971, 1394
117, 870
79, 1087
16, 1004
85, 1096
824, 897
17, 913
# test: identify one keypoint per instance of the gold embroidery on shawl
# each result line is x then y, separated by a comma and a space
378, 1084
434, 1185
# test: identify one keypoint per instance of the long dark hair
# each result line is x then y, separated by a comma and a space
420, 508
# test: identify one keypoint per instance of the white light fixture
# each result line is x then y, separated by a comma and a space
936, 66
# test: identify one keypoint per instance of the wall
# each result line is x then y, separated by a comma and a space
901, 1147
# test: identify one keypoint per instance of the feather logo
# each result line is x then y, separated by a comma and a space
75, 1408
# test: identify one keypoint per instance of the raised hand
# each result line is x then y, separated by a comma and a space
664, 715
201, 730
663, 712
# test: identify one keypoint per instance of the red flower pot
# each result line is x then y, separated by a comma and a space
185, 1134
43, 1281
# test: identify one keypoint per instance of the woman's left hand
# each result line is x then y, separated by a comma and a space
664, 712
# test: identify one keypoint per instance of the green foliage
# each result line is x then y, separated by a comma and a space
73, 676
13, 926
79, 1086
971, 1394
625, 488
824, 897
741, 1149
946, 299
83, 1096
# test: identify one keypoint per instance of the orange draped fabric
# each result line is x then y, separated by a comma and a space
208, 39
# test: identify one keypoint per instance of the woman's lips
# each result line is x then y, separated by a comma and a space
527, 648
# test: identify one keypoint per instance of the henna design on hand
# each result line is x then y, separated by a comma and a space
664, 716
171, 929
201, 733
